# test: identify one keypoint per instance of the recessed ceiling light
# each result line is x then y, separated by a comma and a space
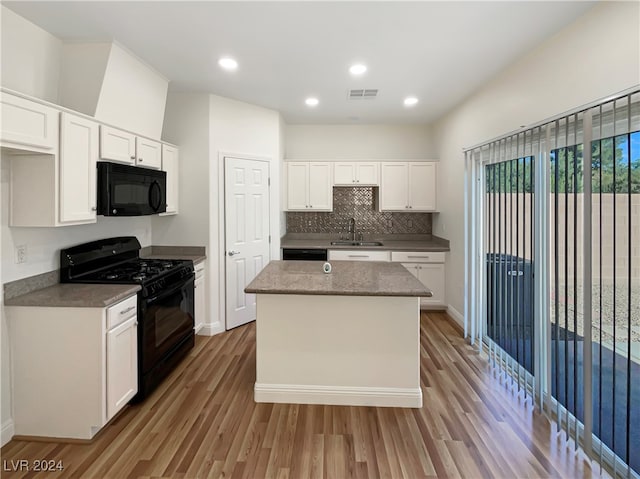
311, 101
358, 69
410, 101
228, 63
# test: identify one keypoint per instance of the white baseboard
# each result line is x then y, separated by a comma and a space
7, 432
338, 395
455, 314
211, 329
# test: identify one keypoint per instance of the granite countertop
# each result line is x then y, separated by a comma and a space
347, 278
390, 242
194, 253
44, 289
75, 295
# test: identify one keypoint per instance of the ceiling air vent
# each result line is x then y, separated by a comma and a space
367, 94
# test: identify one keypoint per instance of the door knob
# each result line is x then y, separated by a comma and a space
231, 253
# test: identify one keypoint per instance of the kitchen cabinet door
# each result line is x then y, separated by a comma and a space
433, 277
298, 186
200, 299
367, 174
78, 157
28, 125
309, 186
122, 365
356, 173
409, 187
422, 186
148, 153
393, 187
344, 174
117, 145
171, 167
320, 186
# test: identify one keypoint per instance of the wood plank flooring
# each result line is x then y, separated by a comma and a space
202, 422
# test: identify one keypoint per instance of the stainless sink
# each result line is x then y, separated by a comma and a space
356, 243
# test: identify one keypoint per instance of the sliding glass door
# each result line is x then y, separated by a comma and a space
553, 271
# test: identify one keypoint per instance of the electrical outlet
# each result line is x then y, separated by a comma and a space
21, 253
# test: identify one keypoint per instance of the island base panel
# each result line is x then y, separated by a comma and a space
345, 350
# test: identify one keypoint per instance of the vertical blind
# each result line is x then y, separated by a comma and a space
552, 271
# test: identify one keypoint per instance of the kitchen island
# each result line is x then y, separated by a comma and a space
349, 337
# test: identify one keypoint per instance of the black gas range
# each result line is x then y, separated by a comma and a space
165, 302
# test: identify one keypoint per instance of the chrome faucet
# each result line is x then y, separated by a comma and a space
351, 230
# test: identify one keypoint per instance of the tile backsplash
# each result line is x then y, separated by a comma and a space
359, 203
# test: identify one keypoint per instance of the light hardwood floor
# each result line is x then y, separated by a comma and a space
202, 422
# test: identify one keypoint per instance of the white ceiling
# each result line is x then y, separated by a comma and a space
438, 51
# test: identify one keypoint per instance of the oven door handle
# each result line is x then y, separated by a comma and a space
168, 293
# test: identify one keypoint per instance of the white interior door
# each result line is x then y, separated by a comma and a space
247, 233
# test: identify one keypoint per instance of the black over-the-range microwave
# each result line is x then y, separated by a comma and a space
130, 190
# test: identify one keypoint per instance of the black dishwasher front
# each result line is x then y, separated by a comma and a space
299, 254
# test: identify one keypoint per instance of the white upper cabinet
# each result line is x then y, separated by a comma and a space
28, 125
123, 147
117, 145
148, 153
422, 186
356, 173
78, 157
57, 189
393, 188
408, 186
170, 165
309, 186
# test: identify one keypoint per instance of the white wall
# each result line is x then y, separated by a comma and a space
243, 130
81, 75
186, 124
133, 95
374, 142
596, 56
6, 421
205, 128
30, 57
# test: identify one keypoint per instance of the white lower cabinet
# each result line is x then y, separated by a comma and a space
200, 298
122, 364
73, 368
429, 268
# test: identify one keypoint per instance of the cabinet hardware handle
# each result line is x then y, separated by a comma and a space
132, 157
127, 310
358, 256
140, 160
93, 208
136, 323
424, 257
